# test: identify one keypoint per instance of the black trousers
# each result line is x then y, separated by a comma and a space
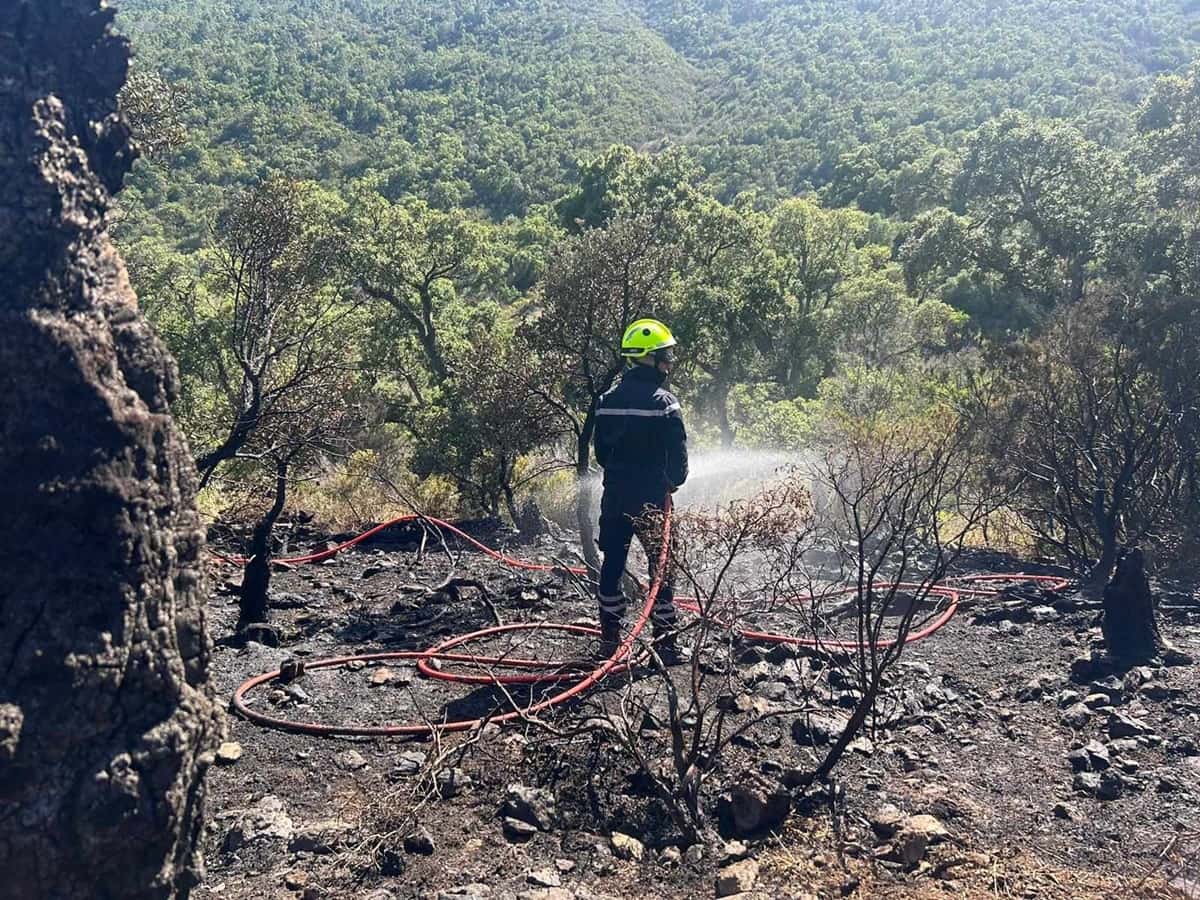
622, 509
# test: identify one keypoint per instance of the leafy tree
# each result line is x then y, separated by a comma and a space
266, 319
414, 258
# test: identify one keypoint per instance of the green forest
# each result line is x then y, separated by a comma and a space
396, 243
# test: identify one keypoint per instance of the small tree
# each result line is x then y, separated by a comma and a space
316, 423
264, 317
1094, 412
486, 423
897, 492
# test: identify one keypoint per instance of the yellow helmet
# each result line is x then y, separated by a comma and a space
645, 337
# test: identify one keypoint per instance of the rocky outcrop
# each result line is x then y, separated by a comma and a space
106, 722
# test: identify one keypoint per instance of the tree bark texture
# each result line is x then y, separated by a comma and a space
1129, 625
106, 720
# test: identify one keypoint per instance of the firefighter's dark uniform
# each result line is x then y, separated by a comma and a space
642, 445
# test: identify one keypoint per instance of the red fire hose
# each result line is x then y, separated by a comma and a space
543, 671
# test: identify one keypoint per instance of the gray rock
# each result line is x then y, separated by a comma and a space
1123, 726
420, 843
1076, 716
350, 761
1043, 614
409, 763
1065, 812
737, 878
516, 830
625, 846
670, 856
535, 806
1094, 665
753, 805
466, 892
732, 851
694, 855
1086, 783
547, 878
552, 893
886, 820
266, 820
1111, 785
1097, 755
452, 782
328, 836
813, 730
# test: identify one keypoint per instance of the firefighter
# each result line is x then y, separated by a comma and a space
642, 446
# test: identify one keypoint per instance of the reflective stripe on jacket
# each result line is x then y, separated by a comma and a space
640, 438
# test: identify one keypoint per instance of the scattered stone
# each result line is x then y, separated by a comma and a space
627, 847
328, 836
670, 856
474, 891
817, 730
1111, 785
773, 690
1010, 629
452, 782
295, 880
1168, 784
733, 851
1036, 687
420, 843
546, 894
1097, 755
266, 820
929, 826
382, 676
409, 763
534, 806
229, 753
1063, 811
753, 805
886, 820
1123, 726
737, 878
516, 830
1043, 614
547, 878
1092, 666
1183, 746
863, 745
350, 761
1068, 698
1086, 783
1076, 716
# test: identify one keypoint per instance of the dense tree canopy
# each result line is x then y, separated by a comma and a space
846, 210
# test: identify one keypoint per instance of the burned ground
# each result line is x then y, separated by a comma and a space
1007, 769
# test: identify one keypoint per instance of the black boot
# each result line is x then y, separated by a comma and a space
666, 645
610, 638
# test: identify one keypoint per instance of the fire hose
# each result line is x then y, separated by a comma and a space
532, 671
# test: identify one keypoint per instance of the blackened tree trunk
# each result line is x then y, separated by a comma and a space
256, 580
1129, 625
106, 720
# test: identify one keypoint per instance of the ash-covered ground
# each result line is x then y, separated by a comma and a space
1006, 767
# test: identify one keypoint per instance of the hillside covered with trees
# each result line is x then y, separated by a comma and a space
489, 105
372, 232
